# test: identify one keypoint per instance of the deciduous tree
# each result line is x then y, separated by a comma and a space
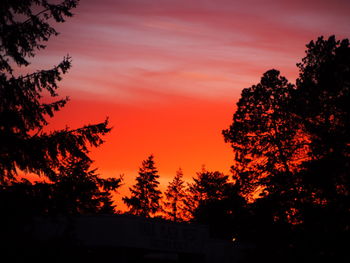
268, 141
322, 100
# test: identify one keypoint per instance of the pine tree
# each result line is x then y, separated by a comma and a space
24, 143
175, 196
77, 190
145, 196
80, 190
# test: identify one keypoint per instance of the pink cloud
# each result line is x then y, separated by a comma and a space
113, 41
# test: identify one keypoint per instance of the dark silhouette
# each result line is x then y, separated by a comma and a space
145, 195
175, 196
291, 145
289, 200
61, 156
82, 191
226, 216
322, 103
24, 28
77, 190
266, 138
207, 186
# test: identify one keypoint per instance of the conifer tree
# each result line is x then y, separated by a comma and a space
24, 143
145, 195
175, 196
80, 190
76, 190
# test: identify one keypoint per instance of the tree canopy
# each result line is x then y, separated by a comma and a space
267, 139
207, 186
292, 141
25, 26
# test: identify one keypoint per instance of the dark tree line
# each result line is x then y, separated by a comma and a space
291, 146
182, 201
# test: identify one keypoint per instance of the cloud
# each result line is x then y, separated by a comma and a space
183, 47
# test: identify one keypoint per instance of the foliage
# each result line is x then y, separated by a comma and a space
293, 142
267, 140
175, 197
145, 195
24, 28
84, 191
324, 95
226, 216
207, 186
77, 190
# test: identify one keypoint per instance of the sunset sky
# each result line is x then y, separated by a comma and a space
168, 73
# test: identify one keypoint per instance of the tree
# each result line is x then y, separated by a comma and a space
145, 196
25, 145
207, 186
268, 141
77, 190
294, 142
321, 101
226, 216
175, 196
214, 201
324, 94
27, 102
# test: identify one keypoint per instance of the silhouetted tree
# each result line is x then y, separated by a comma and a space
226, 216
267, 140
269, 144
322, 101
77, 190
175, 196
293, 141
27, 102
80, 190
145, 195
24, 28
207, 186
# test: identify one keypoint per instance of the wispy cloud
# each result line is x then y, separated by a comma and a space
115, 44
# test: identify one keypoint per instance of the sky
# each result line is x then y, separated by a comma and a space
168, 73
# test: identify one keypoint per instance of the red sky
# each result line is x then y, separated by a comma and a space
168, 73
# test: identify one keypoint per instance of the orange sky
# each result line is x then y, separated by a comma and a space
168, 73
